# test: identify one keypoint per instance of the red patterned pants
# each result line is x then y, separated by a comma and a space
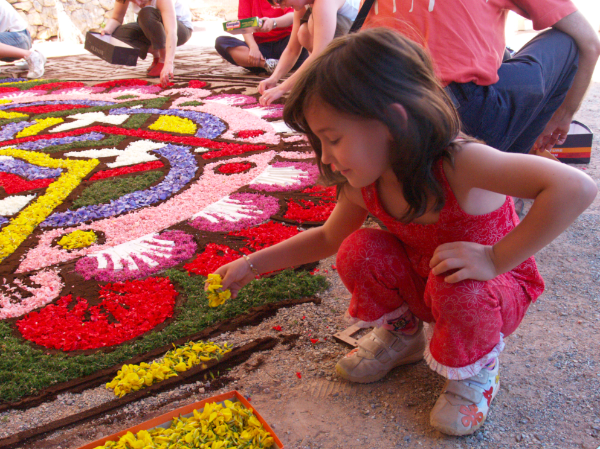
469, 318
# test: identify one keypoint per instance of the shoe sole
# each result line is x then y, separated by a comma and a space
414, 358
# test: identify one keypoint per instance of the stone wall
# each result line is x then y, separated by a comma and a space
69, 20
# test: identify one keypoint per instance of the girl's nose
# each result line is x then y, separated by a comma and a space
326, 157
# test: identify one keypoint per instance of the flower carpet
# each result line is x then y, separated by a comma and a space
118, 199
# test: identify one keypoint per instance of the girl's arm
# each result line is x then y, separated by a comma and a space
288, 58
308, 246
116, 19
282, 22
167, 11
560, 193
325, 21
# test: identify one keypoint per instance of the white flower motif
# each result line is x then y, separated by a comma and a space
280, 176
135, 153
87, 118
141, 248
281, 127
21, 94
228, 209
13, 204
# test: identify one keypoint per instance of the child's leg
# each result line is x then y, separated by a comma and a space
376, 270
471, 319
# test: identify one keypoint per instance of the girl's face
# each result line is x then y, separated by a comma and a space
357, 148
296, 4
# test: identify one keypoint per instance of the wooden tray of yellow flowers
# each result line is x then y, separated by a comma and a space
220, 422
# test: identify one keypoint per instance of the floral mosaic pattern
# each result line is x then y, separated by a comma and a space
228, 171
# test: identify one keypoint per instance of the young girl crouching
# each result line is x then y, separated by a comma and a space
454, 254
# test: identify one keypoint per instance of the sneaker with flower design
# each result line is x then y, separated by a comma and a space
464, 404
379, 352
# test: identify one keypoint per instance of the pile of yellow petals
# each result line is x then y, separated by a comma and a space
174, 124
39, 126
215, 297
78, 239
217, 427
20, 227
135, 377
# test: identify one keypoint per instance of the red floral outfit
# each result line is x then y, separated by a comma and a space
388, 273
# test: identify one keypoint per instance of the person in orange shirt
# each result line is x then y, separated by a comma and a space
261, 50
514, 103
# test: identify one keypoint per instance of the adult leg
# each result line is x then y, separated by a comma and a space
385, 289
236, 51
132, 34
305, 34
16, 45
510, 114
150, 21
471, 319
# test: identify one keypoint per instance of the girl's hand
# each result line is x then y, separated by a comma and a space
235, 275
271, 95
267, 25
254, 56
166, 74
265, 85
470, 260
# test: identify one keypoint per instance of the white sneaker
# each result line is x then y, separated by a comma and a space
270, 65
464, 404
36, 62
378, 352
22, 64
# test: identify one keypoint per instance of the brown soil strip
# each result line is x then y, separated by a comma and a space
235, 357
252, 317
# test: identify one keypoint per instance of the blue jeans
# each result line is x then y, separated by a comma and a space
511, 114
19, 39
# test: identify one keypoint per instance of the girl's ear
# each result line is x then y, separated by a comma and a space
397, 120
398, 114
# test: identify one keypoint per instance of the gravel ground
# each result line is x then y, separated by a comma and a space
550, 387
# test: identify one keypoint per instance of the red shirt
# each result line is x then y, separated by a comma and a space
262, 8
465, 37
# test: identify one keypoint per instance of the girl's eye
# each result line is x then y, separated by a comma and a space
334, 141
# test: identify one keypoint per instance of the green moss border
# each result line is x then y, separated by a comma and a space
26, 370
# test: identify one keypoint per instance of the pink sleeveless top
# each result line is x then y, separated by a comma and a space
454, 225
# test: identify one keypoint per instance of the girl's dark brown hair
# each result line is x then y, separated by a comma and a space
362, 75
